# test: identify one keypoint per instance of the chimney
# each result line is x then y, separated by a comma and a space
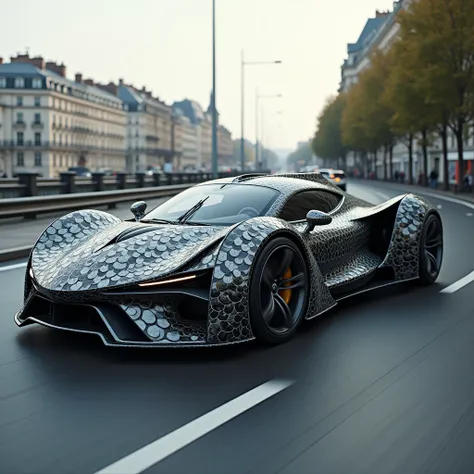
57, 68
89, 82
79, 77
38, 61
1, 60
121, 81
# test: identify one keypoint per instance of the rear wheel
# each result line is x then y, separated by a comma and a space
278, 291
431, 249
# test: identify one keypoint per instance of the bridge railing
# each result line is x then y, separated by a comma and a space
29, 195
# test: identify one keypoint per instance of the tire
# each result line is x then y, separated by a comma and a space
279, 291
343, 188
431, 249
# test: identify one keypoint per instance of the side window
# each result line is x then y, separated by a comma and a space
300, 204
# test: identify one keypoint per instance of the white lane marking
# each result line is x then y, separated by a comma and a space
457, 285
13, 267
163, 447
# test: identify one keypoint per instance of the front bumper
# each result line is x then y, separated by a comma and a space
158, 319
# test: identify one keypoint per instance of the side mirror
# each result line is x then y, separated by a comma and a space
315, 218
138, 209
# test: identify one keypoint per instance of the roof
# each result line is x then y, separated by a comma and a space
190, 109
284, 183
19, 69
129, 95
372, 26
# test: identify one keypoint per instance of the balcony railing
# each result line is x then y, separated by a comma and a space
11, 144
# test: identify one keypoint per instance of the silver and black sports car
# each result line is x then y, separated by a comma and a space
225, 261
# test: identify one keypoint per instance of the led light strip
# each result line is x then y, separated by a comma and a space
174, 280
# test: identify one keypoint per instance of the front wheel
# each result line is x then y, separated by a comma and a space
431, 249
278, 291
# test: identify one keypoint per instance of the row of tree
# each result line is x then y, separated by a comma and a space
419, 89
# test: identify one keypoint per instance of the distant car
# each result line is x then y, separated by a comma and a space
81, 171
336, 177
225, 261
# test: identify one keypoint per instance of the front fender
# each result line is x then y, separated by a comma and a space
228, 319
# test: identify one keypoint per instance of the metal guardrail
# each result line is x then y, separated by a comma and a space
34, 204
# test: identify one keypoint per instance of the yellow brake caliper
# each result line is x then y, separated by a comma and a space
286, 294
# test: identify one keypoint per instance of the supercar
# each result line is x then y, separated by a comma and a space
226, 261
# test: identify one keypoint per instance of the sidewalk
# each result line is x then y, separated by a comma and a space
19, 232
415, 188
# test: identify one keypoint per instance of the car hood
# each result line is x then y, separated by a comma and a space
72, 256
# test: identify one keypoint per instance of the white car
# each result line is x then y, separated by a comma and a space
337, 177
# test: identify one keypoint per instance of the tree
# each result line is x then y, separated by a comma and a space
366, 118
327, 142
301, 156
412, 113
440, 34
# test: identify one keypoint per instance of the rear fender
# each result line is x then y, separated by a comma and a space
403, 252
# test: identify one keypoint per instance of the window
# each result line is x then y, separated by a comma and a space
19, 82
3, 82
300, 204
19, 138
20, 159
38, 159
37, 118
19, 117
19, 101
37, 138
225, 204
37, 101
37, 83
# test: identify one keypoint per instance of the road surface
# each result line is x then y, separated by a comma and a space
383, 384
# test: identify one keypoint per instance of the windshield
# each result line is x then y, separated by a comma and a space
226, 204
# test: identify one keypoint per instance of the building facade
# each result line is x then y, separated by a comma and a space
151, 135
380, 33
198, 127
50, 123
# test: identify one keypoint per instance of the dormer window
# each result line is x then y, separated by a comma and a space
19, 82
37, 83
3, 82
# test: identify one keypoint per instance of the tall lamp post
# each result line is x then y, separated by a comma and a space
244, 63
214, 109
257, 103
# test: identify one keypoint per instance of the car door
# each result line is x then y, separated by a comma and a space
331, 244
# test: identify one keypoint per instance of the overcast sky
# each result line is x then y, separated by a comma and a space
166, 45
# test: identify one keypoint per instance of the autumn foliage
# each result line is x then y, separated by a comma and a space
416, 91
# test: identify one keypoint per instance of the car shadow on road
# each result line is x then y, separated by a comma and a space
57, 342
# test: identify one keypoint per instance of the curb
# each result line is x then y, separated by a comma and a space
17, 252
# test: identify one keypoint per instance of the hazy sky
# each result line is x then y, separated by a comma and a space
166, 45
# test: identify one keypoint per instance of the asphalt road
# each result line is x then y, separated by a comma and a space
383, 384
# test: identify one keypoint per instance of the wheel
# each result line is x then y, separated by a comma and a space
431, 249
279, 291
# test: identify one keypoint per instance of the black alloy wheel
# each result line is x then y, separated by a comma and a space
278, 291
431, 249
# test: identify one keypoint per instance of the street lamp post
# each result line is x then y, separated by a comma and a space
244, 63
214, 109
257, 101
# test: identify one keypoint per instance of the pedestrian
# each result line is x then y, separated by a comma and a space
434, 179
